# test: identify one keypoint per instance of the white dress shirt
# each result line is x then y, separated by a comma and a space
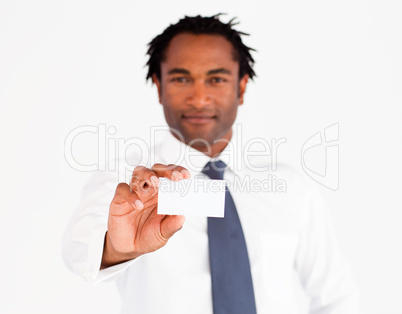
287, 231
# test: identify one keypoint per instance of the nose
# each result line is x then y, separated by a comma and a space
199, 96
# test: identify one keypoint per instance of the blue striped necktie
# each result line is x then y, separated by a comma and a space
232, 286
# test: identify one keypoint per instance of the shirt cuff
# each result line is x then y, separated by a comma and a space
112, 272
96, 275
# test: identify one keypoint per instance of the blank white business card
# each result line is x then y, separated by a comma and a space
192, 197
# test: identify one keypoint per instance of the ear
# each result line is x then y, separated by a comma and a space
156, 81
242, 88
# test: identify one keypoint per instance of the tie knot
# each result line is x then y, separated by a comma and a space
214, 169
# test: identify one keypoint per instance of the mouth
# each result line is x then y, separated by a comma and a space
198, 118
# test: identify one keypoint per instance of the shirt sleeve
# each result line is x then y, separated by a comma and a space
84, 236
323, 270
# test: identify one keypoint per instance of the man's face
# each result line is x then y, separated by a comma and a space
200, 88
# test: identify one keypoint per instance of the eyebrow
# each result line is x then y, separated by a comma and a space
178, 71
210, 72
219, 71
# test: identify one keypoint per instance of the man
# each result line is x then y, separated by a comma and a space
201, 69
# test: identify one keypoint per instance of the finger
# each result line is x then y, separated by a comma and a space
152, 201
170, 225
124, 195
145, 185
172, 172
143, 173
144, 180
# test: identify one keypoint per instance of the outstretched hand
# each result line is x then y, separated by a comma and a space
134, 227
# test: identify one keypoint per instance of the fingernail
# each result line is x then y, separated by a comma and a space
177, 175
154, 179
138, 204
185, 173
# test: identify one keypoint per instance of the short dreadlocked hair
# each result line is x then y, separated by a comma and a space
200, 25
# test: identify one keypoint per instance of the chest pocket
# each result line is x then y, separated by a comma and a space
278, 254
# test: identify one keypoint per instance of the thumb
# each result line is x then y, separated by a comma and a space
171, 224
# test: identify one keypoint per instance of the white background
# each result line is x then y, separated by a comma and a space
65, 64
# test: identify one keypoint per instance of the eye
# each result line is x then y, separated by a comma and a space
217, 80
180, 79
